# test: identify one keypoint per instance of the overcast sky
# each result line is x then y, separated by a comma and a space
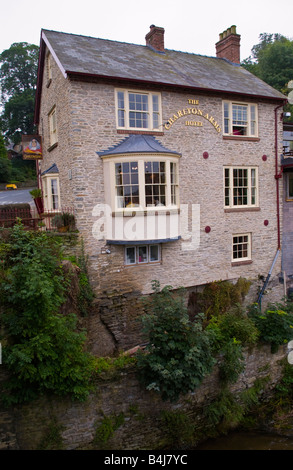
190, 25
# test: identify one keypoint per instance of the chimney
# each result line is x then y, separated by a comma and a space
155, 38
228, 46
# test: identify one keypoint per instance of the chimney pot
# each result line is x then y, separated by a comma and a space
228, 46
155, 38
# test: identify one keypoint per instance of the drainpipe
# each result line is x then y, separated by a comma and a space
278, 175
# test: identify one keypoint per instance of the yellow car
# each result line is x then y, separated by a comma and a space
11, 186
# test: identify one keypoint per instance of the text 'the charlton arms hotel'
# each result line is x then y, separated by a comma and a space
170, 160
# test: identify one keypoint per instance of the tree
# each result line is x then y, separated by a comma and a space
272, 61
5, 165
18, 76
19, 68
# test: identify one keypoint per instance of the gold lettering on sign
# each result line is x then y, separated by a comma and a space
192, 111
194, 123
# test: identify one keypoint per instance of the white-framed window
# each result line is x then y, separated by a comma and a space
241, 187
138, 110
51, 191
240, 119
241, 247
142, 254
146, 182
53, 127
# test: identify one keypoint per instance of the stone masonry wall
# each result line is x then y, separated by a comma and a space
86, 125
141, 427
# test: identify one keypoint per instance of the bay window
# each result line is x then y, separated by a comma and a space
146, 183
51, 192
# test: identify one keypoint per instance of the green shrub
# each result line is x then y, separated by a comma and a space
275, 325
178, 355
232, 331
41, 348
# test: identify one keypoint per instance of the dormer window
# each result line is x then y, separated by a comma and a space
138, 110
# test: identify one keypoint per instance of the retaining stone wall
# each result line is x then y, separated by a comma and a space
25, 427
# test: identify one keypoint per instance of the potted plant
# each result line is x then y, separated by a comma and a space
63, 221
37, 197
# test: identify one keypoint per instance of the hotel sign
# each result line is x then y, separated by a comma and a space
191, 113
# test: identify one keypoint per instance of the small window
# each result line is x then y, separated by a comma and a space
53, 127
241, 187
241, 250
138, 110
240, 119
142, 254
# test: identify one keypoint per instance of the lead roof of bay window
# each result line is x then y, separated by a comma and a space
137, 144
93, 57
52, 169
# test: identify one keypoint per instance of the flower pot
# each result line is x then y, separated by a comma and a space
39, 204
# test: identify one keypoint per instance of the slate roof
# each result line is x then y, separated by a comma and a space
137, 144
93, 57
52, 169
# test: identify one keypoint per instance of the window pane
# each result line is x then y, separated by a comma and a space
154, 253
226, 118
252, 120
138, 110
239, 119
142, 254
54, 193
127, 187
155, 175
130, 255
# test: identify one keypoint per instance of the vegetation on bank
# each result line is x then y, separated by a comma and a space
43, 350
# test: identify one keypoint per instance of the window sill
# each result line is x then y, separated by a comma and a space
137, 265
141, 132
52, 147
240, 263
241, 138
242, 209
145, 212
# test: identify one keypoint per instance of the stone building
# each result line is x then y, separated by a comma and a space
171, 160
